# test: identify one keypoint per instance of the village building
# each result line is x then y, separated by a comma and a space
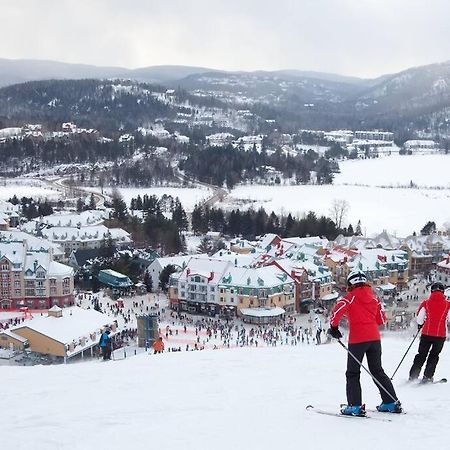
443, 271
31, 278
65, 333
159, 264
115, 280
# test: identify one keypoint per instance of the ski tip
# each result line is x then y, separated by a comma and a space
308, 407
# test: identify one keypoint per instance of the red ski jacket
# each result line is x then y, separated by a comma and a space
433, 314
364, 313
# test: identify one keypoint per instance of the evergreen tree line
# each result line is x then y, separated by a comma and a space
251, 223
219, 165
155, 229
32, 208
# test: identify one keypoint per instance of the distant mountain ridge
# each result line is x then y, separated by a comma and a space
22, 70
416, 99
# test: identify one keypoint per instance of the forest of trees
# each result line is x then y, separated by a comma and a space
251, 223
219, 165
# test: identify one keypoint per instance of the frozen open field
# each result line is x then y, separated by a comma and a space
26, 188
398, 210
397, 170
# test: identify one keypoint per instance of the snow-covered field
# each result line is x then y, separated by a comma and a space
188, 196
398, 210
397, 170
26, 188
244, 398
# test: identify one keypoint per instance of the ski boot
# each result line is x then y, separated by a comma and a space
426, 380
394, 407
348, 410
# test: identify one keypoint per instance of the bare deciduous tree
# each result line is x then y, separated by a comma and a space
339, 210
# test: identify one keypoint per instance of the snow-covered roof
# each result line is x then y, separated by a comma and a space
74, 323
262, 312
261, 277
312, 240
57, 269
13, 335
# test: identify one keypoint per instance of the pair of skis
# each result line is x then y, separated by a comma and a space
312, 408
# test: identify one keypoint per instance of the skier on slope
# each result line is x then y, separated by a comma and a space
364, 313
432, 317
318, 325
105, 345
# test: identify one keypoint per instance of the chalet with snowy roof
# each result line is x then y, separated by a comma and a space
34, 243
382, 240
159, 264
263, 287
66, 333
237, 259
77, 231
443, 271
10, 214
32, 278
268, 241
242, 246
425, 251
84, 258
194, 289
420, 145
304, 287
12, 341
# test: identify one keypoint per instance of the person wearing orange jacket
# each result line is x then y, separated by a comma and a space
432, 317
158, 345
365, 314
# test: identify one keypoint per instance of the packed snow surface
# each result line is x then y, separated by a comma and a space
245, 398
400, 210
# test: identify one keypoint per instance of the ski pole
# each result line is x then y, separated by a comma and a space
404, 356
367, 370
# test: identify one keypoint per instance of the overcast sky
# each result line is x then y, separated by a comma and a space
352, 37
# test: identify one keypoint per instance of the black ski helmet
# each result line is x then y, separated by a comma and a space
437, 286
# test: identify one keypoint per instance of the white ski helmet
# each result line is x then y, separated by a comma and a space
356, 277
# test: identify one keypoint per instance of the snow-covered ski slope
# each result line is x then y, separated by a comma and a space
240, 399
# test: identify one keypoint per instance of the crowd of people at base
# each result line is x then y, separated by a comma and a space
232, 333
8, 323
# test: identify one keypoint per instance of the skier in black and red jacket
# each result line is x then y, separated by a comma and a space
365, 314
432, 317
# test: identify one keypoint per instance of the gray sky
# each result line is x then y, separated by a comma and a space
353, 37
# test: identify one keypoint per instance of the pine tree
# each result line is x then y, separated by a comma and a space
205, 246
92, 204
80, 205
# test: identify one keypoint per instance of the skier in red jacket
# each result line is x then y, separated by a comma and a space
432, 317
365, 314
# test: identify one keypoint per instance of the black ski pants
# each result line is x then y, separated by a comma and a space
372, 350
430, 346
318, 335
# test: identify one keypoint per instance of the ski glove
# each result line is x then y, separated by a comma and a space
335, 333
419, 326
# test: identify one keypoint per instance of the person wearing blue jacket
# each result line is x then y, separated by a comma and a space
105, 345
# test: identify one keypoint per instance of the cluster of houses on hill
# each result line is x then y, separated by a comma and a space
295, 274
37, 257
